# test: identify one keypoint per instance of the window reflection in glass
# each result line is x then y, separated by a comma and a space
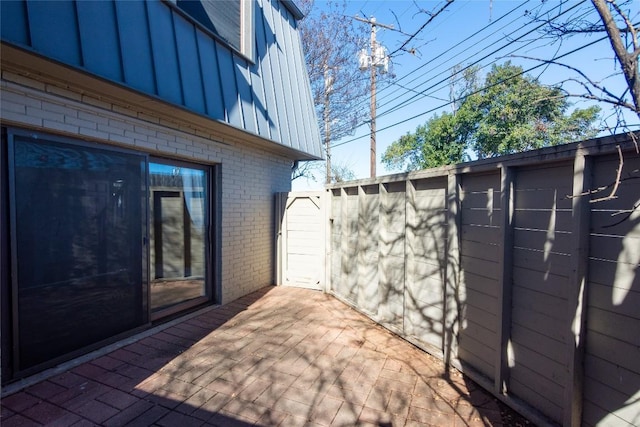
178, 234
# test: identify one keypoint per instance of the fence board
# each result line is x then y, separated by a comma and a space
540, 261
476, 353
541, 219
613, 402
549, 241
532, 301
618, 352
538, 391
481, 284
618, 249
479, 216
547, 283
483, 234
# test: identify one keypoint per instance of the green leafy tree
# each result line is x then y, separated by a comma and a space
433, 144
512, 113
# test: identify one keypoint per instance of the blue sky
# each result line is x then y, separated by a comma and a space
467, 31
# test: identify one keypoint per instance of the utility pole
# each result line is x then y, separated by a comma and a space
375, 59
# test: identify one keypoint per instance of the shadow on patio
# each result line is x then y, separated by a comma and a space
279, 356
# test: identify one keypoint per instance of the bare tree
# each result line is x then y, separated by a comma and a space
616, 21
331, 41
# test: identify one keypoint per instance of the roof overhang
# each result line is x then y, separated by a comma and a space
25, 62
293, 8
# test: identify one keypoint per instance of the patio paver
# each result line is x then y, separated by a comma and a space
277, 357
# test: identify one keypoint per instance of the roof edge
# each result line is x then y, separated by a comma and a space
293, 8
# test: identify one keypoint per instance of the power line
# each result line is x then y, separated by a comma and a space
441, 54
477, 91
414, 97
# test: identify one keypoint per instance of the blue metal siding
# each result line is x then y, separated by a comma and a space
286, 76
272, 57
296, 78
229, 88
269, 103
154, 48
189, 65
100, 44
54, 30
163, 48
135, 42
244, 91
13, 22
210, 76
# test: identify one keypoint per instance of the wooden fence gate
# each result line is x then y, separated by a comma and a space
301, 242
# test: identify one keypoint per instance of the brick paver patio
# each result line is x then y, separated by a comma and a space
277, 357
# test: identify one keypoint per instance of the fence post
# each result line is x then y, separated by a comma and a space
577, 295
280, 202
452, 253
505, 282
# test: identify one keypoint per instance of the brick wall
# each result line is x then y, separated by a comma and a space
250, 176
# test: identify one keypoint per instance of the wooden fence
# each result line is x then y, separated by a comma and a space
510, 270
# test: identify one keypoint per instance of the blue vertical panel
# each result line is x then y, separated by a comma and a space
54, 30
163, 48
274, 46
100, 45
269, 100
13, 22
310, 127
296, 82
210, 76
133, 28
244, 91
229, 89
259, 107
189, 64
285, 74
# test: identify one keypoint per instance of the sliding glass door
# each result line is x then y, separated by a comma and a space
178, 195
78, 223
102, 241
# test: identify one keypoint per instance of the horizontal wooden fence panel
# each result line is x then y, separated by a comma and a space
537, 300
612, 377
480, 220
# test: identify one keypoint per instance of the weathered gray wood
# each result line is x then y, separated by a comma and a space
471, 350
477, 299
505, 281
540, 219
480, 267
540, 392
368, 251
539, 255
613, 403
614, 325
480, 250
541, 281
619, 249
391, 265
483, 234
551, 347
549, 241
549, 305
614, 350
481, 216
479, 283
577, 295
601, 370
538, 260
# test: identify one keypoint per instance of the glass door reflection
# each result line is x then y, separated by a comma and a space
178, 203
